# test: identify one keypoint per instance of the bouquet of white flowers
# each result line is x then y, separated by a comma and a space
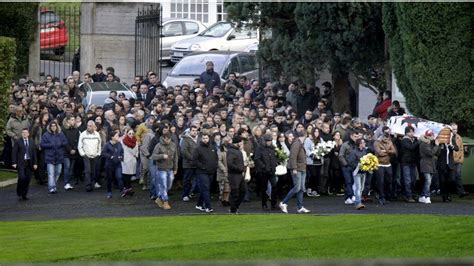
322, 149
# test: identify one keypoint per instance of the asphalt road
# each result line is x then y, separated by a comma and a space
80, 204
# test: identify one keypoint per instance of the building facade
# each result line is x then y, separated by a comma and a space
206, 11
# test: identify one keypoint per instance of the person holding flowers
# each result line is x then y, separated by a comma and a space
313, 162
358, 173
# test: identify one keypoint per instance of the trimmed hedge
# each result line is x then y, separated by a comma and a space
432, 57
7, 67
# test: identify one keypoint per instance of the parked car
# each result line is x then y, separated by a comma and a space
53, 33
96, 93
225, 62
176, 30
221, 36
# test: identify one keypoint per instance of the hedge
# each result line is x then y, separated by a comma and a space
7, 67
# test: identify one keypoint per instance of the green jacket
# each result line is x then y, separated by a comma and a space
170, 163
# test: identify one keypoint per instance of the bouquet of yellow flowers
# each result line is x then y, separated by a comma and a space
368, 163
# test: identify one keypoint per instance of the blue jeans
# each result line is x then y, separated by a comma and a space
427, 185
163, 181
68, 169
408, 178
152, 171
349, 180
298, 189
204, 181
54, 171
358, 186
112, 172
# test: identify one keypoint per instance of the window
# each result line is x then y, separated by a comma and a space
193, 9
248, 63
172, 29
221, 15
245, 34
191, 28
232, 67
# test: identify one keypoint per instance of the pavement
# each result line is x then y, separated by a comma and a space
78, 203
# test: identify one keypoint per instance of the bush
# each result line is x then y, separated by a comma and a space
431, 54
7, 66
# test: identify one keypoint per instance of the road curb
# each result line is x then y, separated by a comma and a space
8, 182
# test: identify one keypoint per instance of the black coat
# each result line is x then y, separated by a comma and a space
19, 150
446, 155
409, 151
148, 98
206, 159
235, 161
265, 159
72, 136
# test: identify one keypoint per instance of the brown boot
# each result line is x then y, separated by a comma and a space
225, 196
159, 202
166, 205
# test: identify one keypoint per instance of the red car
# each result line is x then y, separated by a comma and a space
53, 33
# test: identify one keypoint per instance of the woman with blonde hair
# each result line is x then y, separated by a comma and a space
129, 163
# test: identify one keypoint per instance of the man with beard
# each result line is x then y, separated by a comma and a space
209, 77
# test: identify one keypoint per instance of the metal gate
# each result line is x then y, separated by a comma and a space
147, 40
59, 39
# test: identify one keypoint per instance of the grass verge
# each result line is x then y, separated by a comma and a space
6, 175
245, 237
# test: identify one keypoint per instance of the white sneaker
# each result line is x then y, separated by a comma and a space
68, 186
200, 208
96, 185
303, 210
349, 201
309, 192
283, 207
186, 198
427, 200
422, 199
315, 194
353, 198
207, 210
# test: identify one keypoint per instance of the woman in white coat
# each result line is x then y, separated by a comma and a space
130, 157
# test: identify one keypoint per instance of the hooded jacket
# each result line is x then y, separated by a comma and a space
428, 153
206, 159
265, 159
113, 154
72, 136
297, 159
171, 163
235, 161
188, 149
89, 144
53, 145
409, 150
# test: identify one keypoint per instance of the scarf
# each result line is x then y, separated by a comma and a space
130, 142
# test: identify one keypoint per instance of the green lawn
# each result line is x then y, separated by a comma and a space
5, 175
241, 237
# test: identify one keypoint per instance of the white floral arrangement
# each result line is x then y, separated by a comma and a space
322, 149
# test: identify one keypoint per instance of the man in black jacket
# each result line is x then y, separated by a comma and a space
265, 163
24, 159
235, 168
72, 136
409, 158
446, 168
206, 162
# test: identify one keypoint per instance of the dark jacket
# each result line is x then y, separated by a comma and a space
235, 161
210, 79
297, 159
72, 137
188, 149
170, 163
206, 159
428, 154
446, 155
19, 150
265, 159
99, 77
113, 154
54, 146
409, 150
354, 157
344, 152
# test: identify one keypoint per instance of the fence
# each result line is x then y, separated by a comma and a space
59, 39
147, 40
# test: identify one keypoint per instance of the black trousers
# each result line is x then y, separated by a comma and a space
263, 182
237, 191
384, 182
446, 180
24, 177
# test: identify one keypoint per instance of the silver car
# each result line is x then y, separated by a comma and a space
176, 30
221, 36
225, 62
98, 92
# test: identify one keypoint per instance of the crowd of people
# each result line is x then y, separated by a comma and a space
236, 138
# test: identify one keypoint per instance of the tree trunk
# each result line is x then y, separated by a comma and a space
340, 95
387, 67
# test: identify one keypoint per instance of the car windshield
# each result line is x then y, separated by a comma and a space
194, 65
49, 17
217, 30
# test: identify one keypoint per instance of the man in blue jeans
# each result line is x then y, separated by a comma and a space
189, 144
344, 152
206, 162
409, 158
297, 166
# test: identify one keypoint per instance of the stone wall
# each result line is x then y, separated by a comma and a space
108, 37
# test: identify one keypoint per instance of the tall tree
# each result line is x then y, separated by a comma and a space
432, 57
306, 37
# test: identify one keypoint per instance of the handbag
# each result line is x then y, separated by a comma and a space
281, 170
247, 174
